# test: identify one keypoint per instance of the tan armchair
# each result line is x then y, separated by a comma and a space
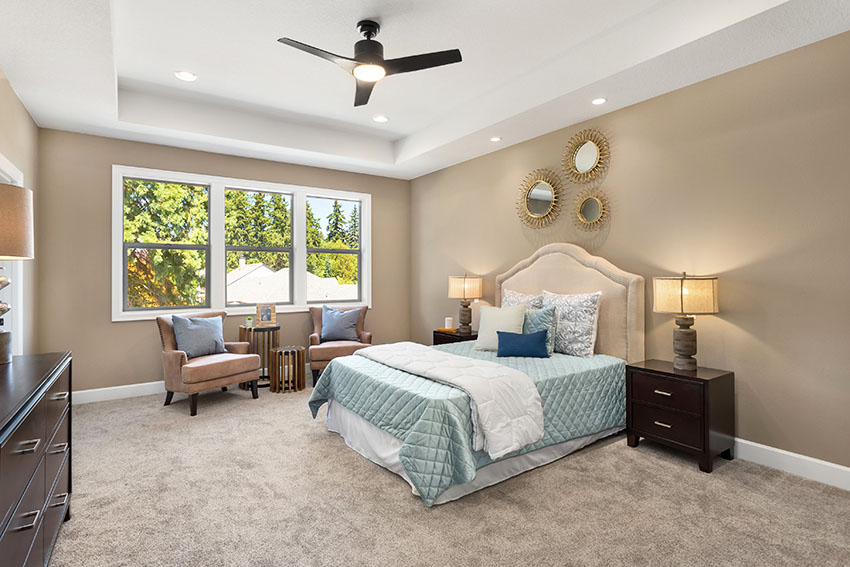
204, 372
322, 353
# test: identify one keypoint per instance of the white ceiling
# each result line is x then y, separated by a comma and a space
528, 68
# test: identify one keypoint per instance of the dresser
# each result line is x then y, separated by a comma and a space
35, 456
690, 410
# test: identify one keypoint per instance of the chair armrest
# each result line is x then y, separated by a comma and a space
366, 337
314, 339
172, 364
237, 348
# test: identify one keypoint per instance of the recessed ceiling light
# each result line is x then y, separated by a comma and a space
495, 139
380, 119
187, 76
598, 101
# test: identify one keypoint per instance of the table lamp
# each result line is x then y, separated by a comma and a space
685, 296
16, 243
465, 288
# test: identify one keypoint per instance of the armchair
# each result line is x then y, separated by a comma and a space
204, 372
322, 353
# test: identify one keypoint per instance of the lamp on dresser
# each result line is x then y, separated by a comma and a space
465, 288
685, 296
16, 243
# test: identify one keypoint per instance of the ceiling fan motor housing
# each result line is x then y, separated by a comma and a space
369, 51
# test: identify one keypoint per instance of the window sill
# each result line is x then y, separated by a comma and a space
232, 311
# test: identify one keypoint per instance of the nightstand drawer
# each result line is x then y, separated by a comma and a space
674, 426
667, 392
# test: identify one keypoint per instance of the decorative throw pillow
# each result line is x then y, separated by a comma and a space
339, 325
542, 320
532, 345
577, 316
498, 319
511, 297
198, 336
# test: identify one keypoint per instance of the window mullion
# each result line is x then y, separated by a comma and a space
218, 259
298, 260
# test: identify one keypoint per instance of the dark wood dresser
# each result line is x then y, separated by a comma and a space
441, 338
35, 456
691, 410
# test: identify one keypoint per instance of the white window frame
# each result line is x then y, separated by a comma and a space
218, 264
15, 320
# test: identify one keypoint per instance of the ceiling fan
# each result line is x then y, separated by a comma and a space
369, 66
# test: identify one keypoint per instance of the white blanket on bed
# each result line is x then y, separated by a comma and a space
507, 413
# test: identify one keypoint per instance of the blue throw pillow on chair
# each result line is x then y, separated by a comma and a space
198, 336
339, 325
531, 345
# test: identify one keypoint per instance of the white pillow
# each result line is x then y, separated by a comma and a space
577, 318
511, 297
492, 319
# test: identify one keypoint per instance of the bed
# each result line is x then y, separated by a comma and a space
422, 430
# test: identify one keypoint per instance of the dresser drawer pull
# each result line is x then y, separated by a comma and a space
663, 393
58, 449
63, 496
31, 525
23, 449
661, 424
60, 397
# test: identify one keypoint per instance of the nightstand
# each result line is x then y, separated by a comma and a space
441, 338
690, 410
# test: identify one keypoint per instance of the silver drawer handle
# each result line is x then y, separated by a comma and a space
34, 442
60, 397
31, 525
64, 496
660, 424
663, 393
58, 448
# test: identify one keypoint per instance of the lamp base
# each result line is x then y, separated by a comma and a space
684, 344
464, 318
5, 347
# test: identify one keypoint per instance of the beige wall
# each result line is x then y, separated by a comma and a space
745, 176
74, 251
19, 143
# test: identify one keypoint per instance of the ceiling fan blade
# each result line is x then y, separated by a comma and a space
424, 61
344, 62
361, 95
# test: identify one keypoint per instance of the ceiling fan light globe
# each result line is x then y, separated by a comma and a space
369, 73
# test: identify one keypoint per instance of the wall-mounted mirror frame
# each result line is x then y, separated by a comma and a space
539, 183
578, 161
592, 209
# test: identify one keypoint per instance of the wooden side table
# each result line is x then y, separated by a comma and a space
261, 340
287, 369
441, 338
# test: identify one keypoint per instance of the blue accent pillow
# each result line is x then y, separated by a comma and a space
198, 336
539, 320
339, 325
531, 345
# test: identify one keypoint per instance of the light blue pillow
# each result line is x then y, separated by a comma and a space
339, 325
542, 320
198, 336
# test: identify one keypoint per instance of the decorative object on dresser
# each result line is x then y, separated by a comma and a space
286, 369
35, 456
261, 340
592, 210
465, 288
201, 373
685, 297
539, 198
691, 410
16, 243
586, 156
443, 337
322, 352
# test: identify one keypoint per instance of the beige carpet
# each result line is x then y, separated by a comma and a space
257, 482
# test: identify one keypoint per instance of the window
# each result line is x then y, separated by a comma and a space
188, 242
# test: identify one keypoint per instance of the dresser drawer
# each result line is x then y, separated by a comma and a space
667, 392
56, 450
19, 456
671, 425
56, 400
24, 526
56, 505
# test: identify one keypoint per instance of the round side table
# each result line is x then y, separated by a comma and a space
261, 340
286, 369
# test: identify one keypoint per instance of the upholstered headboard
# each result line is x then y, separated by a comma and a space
567, 268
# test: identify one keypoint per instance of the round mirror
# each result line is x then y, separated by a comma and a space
539, 199
587, 156
590, 209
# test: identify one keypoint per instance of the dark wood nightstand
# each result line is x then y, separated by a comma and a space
691, 410
441, 338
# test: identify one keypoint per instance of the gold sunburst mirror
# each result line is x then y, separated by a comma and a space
592, 210
539, 198
586, 156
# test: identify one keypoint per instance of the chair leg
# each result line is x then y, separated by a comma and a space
254, 389
193, 404
168, 397
224, 388
315, 376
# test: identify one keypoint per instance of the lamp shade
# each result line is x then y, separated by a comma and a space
15, 223
685, 295
464, 287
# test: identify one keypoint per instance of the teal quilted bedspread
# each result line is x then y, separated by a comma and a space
580, 396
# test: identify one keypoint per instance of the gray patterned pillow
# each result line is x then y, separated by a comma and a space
577, 315
511, 297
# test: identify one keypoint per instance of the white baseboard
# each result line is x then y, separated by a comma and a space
794, 463
118, 392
